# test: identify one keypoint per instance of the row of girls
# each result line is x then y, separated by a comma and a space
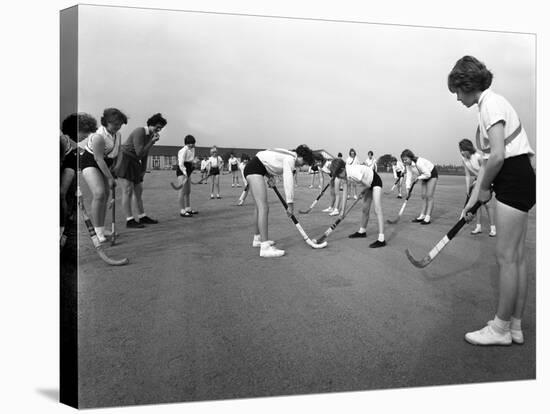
104, 158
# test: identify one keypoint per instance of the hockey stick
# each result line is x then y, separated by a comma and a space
339, 219
315, 201
93, 235
243, 196
402, 207
180, 186
113, 217
395, 184
298, 226
425, 261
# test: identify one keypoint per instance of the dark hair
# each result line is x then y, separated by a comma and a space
339, 155
75, 123
112, 115
157, 119
370, 153
189, 139
350, 150
245, 157
467, 145
468, 75
306, 153
336, 167
409, 154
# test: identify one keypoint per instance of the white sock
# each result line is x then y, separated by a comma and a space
421, 217
515, 324
478, 227
427, 217
257, 237
362, 230
493, 229
142, 215
381, 237
99, 231
502, 326
183, 211
265, 245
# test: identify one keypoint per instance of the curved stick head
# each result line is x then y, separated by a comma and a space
175, 187
417, 263
319, 246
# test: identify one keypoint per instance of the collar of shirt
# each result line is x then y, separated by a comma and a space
482, 96
147, 132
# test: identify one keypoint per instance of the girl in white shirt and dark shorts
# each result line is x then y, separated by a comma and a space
508, 169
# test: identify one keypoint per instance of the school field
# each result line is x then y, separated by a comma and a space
198, 315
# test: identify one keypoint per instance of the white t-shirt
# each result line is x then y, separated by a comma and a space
371, 163
494, 108
185, 154
398, 167
281, 162
422, 169
360, 174
352, 160
474, 163
112, 143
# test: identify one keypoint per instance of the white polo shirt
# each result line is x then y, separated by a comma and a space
112, 142
422, 169
360, 174
494, 108
281, 162
185, 154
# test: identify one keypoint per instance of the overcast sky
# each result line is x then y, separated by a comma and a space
242, 81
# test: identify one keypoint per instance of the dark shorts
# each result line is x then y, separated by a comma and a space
87, 159
70, 161
214, 170
399, 174
188, 169
376, 180
234, 167
129, 168
434, 174
314, 168
255, 166
515, 185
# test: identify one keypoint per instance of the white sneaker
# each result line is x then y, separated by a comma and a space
258, 243
334, 212
101, 238
477, 230
493, 233
516, 334
355, 197
327, 210
270, 251
488, 336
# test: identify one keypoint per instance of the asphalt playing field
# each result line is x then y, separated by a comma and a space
198, 315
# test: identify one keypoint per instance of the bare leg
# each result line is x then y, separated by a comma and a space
137, 199
258, 189
127, 193
430, 190
96, 182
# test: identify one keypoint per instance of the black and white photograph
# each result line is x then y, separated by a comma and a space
256, 206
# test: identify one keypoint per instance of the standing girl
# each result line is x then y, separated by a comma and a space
424, 170
213, 166
472, 161
367, 179
186, 156
270, 163
352, 160
509, 170
131, 167
371, 161
233, 164
245, 158
398, 170
100, 150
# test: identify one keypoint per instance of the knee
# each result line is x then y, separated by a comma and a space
429, 197
128, 191
99, 195
507, 257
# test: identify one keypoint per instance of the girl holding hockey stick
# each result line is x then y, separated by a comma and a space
245, 158
421, 169
398, 170
508, 168
186, 155
472, 161
100, 150
214, 166
131, 167
368, 179
233, 164
271, 163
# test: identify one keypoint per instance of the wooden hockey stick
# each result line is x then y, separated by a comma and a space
315, 201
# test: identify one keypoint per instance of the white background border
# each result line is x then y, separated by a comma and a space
29, 306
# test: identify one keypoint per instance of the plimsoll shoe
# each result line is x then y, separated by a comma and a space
327, 210
492, 233
377, 243
258, 243
516, 334
358, 235
147, 220
334, 212
133, 224
417, 220
477, 230
425, 222
488, 336
270, 251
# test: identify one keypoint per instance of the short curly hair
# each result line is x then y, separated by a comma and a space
337, 166
112, 115
306, 153
467, 145
78, 122
157, 119
468, 75
409, 154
